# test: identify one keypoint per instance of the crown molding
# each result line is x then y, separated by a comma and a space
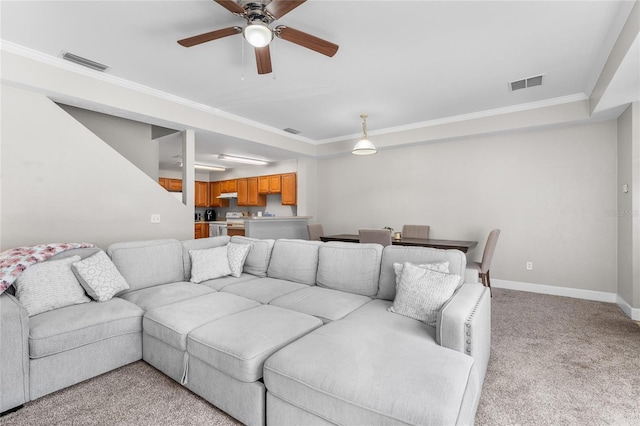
10, 47
466, 117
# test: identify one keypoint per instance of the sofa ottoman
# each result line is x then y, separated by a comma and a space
407, 379
165, 329
226, 357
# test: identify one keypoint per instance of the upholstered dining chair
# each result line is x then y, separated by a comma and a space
483, 266
415, 231
378, 236
315, 231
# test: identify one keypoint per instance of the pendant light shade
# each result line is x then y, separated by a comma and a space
364, 146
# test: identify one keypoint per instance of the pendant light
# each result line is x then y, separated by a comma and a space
364, 146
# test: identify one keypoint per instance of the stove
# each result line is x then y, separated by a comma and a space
235, 220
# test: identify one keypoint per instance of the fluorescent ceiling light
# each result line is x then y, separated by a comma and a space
206, 167
209, 167
243, 160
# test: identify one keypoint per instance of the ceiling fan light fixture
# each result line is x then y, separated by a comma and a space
364, 146
258, 34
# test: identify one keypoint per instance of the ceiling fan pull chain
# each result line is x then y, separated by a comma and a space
242, 53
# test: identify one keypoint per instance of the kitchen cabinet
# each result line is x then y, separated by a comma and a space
229, 185
248, 193
201, 196
214, 191
243, 192
173, 185
201, 230
289, 189
270, 184
236, 232
253, 197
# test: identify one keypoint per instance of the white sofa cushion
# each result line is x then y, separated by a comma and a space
49, 285
295, 260
350, 267
99, 277
209, 264
257, 261
422, 292
199, 244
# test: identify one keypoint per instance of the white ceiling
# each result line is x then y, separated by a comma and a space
401, 62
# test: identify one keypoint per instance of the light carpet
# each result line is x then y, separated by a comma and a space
554, 361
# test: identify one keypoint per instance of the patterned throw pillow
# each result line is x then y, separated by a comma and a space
99, 277
209, 263
422, 292
49, 285
437, 266
237, 254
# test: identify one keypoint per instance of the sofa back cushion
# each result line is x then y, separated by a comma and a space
148, 263
350, 267
295, 260
257, 261
417, 255
199, 244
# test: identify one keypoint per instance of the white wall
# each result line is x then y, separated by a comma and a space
628, 209
130, 138
61, 183
547, 190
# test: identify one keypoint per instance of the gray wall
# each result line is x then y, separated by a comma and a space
61, 183
628, 209
547, 190
130, 138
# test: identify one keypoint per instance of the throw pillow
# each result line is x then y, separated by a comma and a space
49, 285
209, 263
437, 266
422, 293
99, 277
237, 254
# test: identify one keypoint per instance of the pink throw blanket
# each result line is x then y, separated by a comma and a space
14, 261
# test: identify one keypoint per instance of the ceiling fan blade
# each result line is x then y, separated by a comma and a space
231, 6
263, 59
307, 40
279, 8
213, 35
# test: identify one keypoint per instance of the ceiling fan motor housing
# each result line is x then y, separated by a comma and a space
256, 11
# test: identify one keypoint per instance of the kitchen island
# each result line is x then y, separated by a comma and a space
276, 227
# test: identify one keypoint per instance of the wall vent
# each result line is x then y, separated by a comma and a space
83, 61
290, 130
526, 82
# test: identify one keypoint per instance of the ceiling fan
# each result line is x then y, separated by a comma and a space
259, 15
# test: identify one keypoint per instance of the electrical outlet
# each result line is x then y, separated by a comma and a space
529, 266
155, 218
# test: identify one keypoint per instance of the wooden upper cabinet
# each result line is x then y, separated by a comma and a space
253, 197
270, 184
173, 185
201, 196
243, 192
214, 191
289, 189
229, 185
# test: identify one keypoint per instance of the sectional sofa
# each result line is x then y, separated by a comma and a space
303, 335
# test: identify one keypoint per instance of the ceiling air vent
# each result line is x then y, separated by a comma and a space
526, 82
290, 130
83, 61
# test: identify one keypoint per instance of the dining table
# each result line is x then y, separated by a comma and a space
463, 246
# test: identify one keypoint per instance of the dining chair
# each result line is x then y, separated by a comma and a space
483, 266
415, 231
377, 236
315, 231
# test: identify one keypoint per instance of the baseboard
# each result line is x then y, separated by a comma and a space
598, 296
633, 313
